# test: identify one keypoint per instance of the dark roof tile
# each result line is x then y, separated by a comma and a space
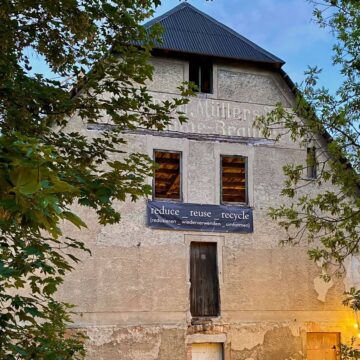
188, 30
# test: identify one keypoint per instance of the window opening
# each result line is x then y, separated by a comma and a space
167, 180
233, 179
200, 73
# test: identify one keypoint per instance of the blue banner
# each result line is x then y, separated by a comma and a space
197, 217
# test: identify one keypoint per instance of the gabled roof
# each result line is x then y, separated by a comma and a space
187, 29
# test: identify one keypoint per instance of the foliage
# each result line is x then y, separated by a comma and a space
352, 299
350, 352
45, 167
328, 217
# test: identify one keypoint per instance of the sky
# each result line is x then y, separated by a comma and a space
283, 27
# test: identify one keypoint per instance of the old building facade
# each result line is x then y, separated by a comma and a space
196, 272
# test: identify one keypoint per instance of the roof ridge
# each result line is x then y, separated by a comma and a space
233, 32
225, 28
167, 14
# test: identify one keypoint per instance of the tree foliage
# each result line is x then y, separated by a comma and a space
352, 299
329, 217
351, 350
45, 168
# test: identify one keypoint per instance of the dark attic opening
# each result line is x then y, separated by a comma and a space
201, 73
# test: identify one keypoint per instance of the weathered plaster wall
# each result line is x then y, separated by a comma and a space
267, 342
238, 85
136, 342
168, 74
132, 294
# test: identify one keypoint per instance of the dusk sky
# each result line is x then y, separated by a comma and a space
283, 27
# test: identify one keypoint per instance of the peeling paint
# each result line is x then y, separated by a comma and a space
247, 338
139, 276
295, 329
322, 287
278, 343
99, 336
134, 343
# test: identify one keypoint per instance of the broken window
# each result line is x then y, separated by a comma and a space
233, 179
311, 163
200, 73
167, 180
204, 291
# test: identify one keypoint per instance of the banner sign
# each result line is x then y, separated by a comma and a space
213, 218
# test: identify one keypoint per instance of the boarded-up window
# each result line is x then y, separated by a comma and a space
233, 179
311, 163
207, 351
323, 346
204, 291
167, 181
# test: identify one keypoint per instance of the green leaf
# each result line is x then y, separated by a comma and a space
25, 180
73, 219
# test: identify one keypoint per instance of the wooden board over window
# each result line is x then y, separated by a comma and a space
207, 351
323, 345
167, 181
204, 291
233, 179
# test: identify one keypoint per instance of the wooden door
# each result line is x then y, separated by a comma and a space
204, 291
323, 346
207, 351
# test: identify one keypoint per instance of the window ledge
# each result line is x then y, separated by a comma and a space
201, 95
204, 320
168, 200
247, 206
